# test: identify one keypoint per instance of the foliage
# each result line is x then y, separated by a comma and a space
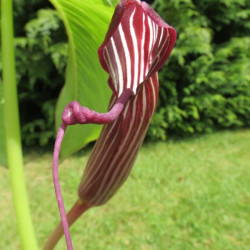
206, 84
40, 60
41, 54
181, 195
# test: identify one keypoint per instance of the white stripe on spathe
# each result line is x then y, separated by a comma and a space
127, 56
153, 90
154, 32
108, 62
119, 66
150, 42
160, 37
136, 55
142, 49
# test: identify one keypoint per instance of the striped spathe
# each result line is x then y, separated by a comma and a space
115, 151
137, 44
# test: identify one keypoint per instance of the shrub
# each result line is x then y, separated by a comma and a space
41, 53
206, 84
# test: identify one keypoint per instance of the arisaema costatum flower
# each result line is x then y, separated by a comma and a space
137, 44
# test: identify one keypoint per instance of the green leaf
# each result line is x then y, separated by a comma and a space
3, 156
86, 23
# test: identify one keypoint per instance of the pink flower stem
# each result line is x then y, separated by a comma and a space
59, 198
74, 113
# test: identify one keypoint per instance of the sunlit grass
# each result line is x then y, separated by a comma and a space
193, 194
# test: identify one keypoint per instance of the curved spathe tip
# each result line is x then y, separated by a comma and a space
137, 44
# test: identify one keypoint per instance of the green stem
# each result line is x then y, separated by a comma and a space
12, 131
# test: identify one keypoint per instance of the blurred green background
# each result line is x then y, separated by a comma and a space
204, 87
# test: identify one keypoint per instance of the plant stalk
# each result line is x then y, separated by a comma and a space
75, 212
12, 131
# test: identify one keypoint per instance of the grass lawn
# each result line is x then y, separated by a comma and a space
193, 194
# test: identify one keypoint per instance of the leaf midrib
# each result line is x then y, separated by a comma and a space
72, 46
